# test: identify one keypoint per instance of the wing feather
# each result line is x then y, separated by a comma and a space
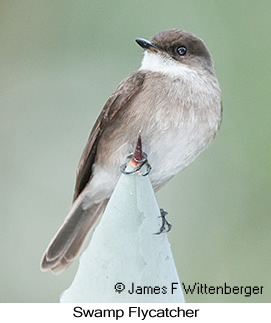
125, 92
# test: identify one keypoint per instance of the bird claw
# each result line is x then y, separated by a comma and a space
142, 162
165, 222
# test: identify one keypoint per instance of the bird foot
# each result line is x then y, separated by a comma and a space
166, 226
139, 165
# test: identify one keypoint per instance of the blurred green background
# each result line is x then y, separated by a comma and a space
59, 62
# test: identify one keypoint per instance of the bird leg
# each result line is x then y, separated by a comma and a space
166, 226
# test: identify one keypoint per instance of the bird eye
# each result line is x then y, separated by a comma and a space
181, 50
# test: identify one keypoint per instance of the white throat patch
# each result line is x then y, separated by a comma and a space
157, 63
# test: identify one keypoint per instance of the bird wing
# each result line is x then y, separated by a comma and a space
68, 240
125, 92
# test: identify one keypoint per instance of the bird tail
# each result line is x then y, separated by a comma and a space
68, 240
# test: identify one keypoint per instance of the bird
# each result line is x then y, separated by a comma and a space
174, 101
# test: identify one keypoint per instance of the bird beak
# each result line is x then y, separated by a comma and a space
145, 44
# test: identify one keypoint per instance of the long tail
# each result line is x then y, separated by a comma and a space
69, 238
